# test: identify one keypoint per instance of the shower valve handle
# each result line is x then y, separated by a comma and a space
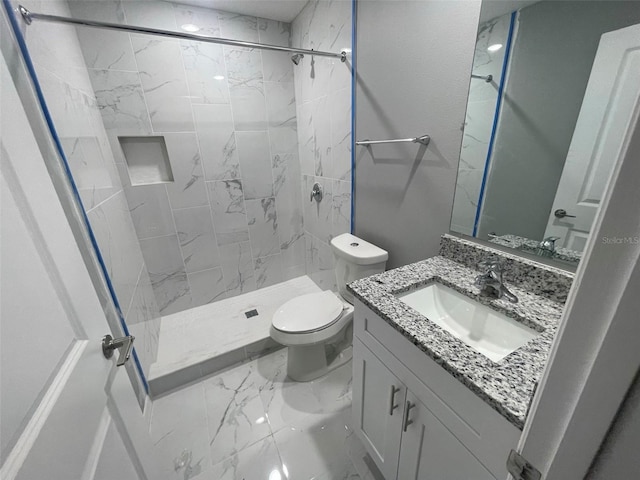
316, 192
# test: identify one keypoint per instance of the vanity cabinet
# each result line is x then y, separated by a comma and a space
429, 451
381, 399
415, 419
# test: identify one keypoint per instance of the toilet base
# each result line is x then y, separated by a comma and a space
309, 362
306, 363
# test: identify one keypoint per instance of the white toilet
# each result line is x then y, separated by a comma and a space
306, 324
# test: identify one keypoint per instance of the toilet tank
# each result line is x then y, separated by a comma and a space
354, 259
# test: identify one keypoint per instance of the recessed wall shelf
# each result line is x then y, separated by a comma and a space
147, 159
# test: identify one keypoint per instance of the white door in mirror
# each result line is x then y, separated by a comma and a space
599, 138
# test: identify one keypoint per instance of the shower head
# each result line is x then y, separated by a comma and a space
296, 57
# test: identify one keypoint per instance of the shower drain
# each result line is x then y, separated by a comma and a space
251, 313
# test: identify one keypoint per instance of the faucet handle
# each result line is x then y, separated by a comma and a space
549, 243
490, 264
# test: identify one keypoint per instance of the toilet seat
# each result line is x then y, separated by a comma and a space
317, 328
308, 313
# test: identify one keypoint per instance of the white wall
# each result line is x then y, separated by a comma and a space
413, 67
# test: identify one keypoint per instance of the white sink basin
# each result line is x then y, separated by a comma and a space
488, 332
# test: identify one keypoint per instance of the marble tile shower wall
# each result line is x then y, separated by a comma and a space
481, 108
231, 221
61, 70
323, 106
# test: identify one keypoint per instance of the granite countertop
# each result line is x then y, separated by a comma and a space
507, 385
531, 246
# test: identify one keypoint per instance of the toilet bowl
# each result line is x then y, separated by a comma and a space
308, 324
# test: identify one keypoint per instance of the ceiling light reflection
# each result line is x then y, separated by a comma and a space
190, 27
275, 475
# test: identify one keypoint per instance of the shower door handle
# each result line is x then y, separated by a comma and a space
125, 344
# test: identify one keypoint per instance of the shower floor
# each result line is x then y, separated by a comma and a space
203, 340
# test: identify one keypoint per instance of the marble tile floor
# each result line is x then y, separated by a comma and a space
200, 341
252, 423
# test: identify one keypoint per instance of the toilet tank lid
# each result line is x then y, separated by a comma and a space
358, 251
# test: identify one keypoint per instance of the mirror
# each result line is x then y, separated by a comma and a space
538, 147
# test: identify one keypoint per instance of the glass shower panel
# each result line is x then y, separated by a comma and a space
61, 72
231, 220
210, 202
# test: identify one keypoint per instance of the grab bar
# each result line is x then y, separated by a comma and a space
424, 140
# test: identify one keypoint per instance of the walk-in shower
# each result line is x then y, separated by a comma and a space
193, 154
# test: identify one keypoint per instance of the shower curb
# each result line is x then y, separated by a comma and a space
188, 374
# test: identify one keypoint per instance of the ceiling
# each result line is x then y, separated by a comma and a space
496, 8
288, 10
282, 10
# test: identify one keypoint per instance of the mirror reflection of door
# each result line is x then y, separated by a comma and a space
605, 116
519, 128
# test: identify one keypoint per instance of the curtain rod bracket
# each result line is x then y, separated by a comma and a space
26, 14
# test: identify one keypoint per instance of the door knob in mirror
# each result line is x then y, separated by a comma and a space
561, 213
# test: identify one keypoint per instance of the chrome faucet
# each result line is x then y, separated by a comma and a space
490, 282
547, 247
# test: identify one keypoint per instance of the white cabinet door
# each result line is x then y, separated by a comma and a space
429, 451
378, 400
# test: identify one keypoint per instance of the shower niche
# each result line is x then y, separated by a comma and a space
147, 159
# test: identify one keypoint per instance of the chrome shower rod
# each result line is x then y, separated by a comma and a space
424, 140
29, 16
